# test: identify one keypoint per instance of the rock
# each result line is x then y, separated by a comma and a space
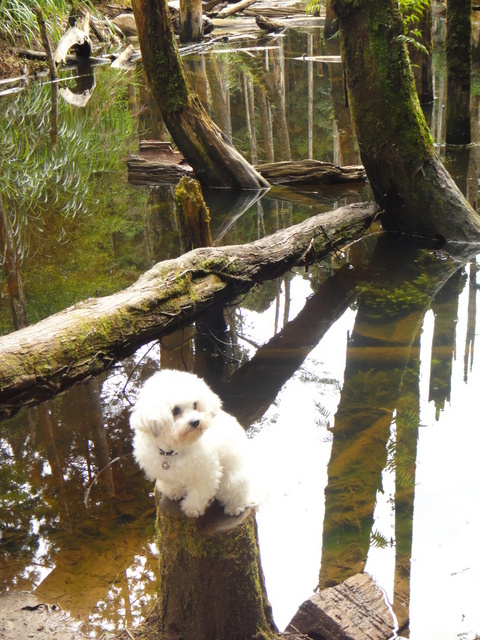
353, 610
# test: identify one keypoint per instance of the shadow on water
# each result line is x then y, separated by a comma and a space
344, 373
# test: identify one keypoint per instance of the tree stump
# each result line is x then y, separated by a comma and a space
211, 581
192, 215
353, 610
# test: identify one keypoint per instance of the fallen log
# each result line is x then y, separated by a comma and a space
141, 171
309, 172
269, 25
32, 54
125, 59
235, 8
151, 170
41, 360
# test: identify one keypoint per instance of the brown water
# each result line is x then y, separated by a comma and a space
358, 378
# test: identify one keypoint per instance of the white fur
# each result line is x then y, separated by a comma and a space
177, 411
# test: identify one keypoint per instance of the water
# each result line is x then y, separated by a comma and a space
358, 378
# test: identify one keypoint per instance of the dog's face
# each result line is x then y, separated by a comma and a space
175, 408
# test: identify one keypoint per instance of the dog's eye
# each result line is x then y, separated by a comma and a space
176, 411
194, 406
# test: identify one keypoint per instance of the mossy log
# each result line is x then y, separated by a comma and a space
43, 359
211, 584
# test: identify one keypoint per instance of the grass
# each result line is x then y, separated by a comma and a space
18, 21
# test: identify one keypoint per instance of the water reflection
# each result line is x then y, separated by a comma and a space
86, 540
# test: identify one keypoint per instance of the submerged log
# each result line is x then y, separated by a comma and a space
353, 610
41, 360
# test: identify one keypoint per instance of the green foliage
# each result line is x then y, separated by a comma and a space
313, 7
412, 12
17, 17
378, 540
36, 177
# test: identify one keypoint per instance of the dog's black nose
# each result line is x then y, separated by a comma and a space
194, 423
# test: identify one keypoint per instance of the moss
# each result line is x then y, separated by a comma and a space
221, 554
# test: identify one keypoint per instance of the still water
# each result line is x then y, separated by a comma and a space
357, 379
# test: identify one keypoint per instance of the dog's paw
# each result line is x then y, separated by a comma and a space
192, 510
234, 511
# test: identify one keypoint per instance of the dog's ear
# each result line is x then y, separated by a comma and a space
140, 420
212, 402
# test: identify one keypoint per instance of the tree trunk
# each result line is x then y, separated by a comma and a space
191, 23
44, 359
422, 65
408, 180
192, 215
12, 273
214, 159
459, 59
211, 581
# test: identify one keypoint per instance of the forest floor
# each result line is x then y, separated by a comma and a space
22, 616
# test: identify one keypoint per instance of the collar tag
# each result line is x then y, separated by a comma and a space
166, 454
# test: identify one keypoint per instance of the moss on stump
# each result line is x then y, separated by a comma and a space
211, 583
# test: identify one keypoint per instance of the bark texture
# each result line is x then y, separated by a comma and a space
408, 180
191, 24
214, 159
192, 215
353, 610
84, 340
211, 581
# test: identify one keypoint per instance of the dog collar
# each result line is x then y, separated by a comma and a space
166, 454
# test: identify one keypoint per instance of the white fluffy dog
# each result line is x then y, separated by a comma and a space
194, 450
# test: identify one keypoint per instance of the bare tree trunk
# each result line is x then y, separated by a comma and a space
459, 59
12, 272
214, 159
191, 24
422, 65
44, 359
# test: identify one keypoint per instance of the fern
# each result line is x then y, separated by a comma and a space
412, 12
